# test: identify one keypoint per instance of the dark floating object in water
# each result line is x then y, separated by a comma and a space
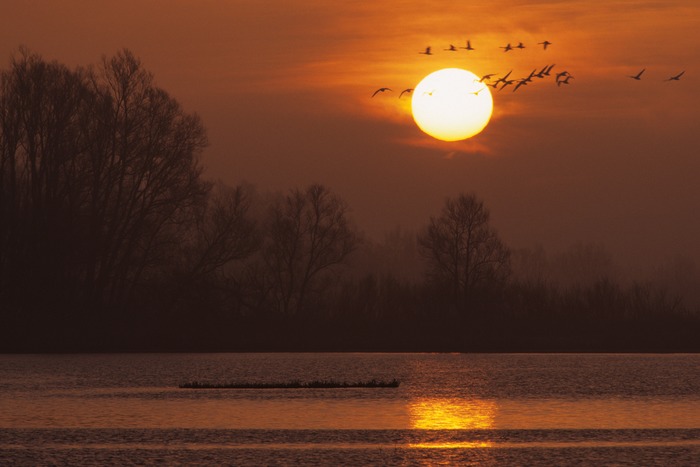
326, 384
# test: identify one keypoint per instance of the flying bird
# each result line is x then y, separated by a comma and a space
486, 77
504, 78
522, 82
638, 76
507, 47
544, 44
409, 91
562, 75
427, 51
476, 93
468, 47
506, 82
676, 77
380, 90
520, 46
451, 49
565, 80
540, 74
546, 73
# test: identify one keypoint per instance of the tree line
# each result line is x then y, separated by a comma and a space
111, 238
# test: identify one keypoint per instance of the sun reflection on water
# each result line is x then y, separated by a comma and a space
452, 414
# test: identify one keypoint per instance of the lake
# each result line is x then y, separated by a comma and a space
464, 409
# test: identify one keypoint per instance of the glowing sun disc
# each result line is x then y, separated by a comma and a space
451, 104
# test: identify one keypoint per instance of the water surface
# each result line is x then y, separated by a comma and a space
114, 409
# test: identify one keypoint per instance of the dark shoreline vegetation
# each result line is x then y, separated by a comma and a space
316, 384
112, 240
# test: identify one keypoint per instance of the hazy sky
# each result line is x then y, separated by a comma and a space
284, 89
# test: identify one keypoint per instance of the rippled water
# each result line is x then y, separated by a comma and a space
485, 409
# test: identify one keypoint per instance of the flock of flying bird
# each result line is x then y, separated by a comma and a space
562, 77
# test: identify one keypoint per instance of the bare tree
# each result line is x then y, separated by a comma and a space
42, 170
309, 235
145, 171
462, 249
95, 168
220, 232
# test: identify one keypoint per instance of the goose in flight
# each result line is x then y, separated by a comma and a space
638, 76
540, 74
520, 46
522, 82
486, 77
380, 90
546, 73
409, 91
506, 82
468, 47
504, 78
451, 49
529, 78
562, 75
427, 51
565, 80
507, 47
544, 44
676, 77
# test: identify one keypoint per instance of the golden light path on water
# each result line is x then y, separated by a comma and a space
452, 414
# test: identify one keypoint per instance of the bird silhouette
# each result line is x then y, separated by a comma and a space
380, 90
565, 80
451, 49
522, 82
546, 73
506, 82
486, 77
562, 75
638, 76
676, 77
427, 51
529, 78
520, 46
504, 78
468, 47
507, 47
544, 44
409, 91
476, 93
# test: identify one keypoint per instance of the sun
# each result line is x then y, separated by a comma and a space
451, 104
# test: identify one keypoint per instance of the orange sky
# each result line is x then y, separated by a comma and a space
284, 89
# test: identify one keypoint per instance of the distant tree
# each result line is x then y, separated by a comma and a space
222, 231
582, 264
216, 241
462, 250
530, 265
308, 236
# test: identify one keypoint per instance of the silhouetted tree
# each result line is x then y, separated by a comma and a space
144, 173
309, 235
582, 264
96, 167
216, 240
43, 153
462, 249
